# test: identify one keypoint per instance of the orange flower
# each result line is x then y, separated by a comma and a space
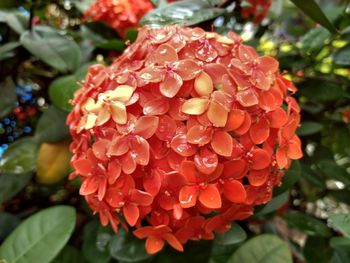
183, 134
257, 9
119, 14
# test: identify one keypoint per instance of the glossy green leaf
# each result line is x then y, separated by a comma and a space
182, 12
93, 251
20, 157
314, 40
322, 90
131, 35
7, 50
126, 247
341, 256
235, 235
40, 237
275, 203
312, 9
8, 222
264, 248
62, 89
341, 222
56, 50
309, 127
52, 125
11, 184
113, 44
308, 224
8, 96
342, 56
69, 254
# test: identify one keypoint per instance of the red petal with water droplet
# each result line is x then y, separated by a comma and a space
222, 143
131, 213
171, 85
210, 197
206, 161
234, 191
146, 126
234, 169
260, 159
259, 131
141, 197
199, 134
188, 196
154, 244
180, 145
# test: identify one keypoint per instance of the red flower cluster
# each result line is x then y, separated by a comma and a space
257, 10
119, 14
184, 133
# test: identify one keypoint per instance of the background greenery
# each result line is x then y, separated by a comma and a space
42, 217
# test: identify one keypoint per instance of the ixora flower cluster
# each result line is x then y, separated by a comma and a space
119, 14
183, 134
257, 9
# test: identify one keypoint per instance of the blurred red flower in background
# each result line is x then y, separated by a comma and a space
184, 133
256, 9
119, 14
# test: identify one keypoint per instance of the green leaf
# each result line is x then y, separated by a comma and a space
52, 125
92, 250
82, 5
11, 184
309, 127
307, 224
312, 9
8, 96
69, 254
55, 50
6, 50
342, 56
291, 176
62, 89
235, 235
340, 243
126, 247
113, 44
40, 237
314, 40
319, 244
15, 19
8, 222
275, 203
182, 12
20, 157
341, 222
322, 90
262, 249
131, 35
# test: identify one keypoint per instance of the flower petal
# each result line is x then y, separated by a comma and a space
244, 128
83, 166
267, 64
294, 148
140, 150
131, 213
234, 191
171, 85
118, 111
188, 170
113, 171
235, 119
234, 169
217, 114
277, 118
199, 134
122, 93
154, 244
210, 197
128, 163
188, 196
89, 185
187, 69
172, 240
180, 145
100, 148
259, 131
165, 54
260, 159
247, 97
195, 106
141, 198
156, 106
258, 177
166, 128
222, 143
203, 84
206, 161
146, 126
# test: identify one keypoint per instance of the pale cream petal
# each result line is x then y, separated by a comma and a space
195, 106
203, 84
118, 111
123, 93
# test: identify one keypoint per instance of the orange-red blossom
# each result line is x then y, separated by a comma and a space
183, 134
121, 15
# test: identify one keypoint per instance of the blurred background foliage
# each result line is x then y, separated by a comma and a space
45, 50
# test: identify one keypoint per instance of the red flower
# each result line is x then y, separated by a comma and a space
183, 134
257, 9
119, 14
